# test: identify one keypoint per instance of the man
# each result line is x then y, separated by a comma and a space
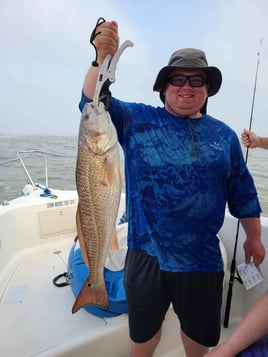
181, 167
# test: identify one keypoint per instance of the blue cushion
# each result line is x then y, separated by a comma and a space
114, 284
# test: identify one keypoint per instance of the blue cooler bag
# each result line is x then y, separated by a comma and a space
78, 272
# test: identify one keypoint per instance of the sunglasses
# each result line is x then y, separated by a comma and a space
179, 80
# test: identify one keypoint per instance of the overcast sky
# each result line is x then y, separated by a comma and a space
45, 53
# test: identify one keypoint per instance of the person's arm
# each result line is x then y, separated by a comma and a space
253, 245
252, 327
263, 142
252, 140
106, 42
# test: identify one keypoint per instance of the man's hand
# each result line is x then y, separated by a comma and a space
254, 248
107, 40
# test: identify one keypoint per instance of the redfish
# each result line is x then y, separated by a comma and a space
98, 181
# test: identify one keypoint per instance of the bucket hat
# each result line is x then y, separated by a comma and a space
188, 58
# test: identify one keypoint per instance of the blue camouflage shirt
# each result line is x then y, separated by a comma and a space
179, 174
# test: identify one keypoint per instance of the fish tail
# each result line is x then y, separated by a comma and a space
91, 295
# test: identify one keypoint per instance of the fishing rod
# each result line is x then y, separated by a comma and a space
233, 264
253, 99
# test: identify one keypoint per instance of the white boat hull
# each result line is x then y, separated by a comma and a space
35, 316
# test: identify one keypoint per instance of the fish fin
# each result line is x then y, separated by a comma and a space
121, 176
114, 245
80, 236
109, 173
91, 296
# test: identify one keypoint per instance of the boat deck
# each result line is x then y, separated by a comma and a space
32, 307
39, 313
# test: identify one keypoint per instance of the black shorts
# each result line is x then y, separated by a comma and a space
196, 298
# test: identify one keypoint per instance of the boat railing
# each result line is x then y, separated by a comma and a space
23, 155
45, 154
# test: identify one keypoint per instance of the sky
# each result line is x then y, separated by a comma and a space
45, 53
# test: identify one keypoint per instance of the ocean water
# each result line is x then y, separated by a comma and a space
258, 165
61, 169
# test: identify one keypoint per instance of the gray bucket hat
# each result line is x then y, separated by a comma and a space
188, 58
